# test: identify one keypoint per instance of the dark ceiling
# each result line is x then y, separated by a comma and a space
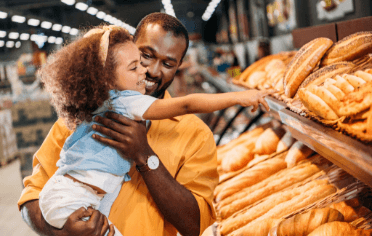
129, 11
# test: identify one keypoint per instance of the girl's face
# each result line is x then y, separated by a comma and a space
130, 73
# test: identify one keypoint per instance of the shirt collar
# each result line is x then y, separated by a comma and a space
166, 96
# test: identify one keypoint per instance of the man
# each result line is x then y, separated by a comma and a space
160, 199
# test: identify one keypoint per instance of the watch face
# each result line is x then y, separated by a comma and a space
153, 162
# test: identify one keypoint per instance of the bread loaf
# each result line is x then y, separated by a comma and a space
364, 75
349, 48
239, 220
329, 85
355, 81
337, 228
271, 185
297, 153
261, 228
303, 64
342, 84
303, 224
285, 143
268, 141
350, 209
356, 101
239, 157
249, 177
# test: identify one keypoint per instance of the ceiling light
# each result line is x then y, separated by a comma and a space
59, 40
46, 25
34, 37
2, 43
13, 35
166, 2
81, 6
113, 20
74, 31
18, 19
101, 15
3, 15
68, 2
2, 34
51, 39
9, 44
66, 29
18, 44
33, 22
107, 18
24, 36
92, 10
57, 27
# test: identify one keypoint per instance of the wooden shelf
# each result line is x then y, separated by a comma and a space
349, 154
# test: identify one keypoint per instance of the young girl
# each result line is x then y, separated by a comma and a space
102, 72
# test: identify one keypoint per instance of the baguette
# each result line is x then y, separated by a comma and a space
274, 184
318, 77
303, 63
236, 222
303, 224
261, 228
240, 156
285, 143
268, 141
337, 228
297, 153
349, 48
249, 177
316, 105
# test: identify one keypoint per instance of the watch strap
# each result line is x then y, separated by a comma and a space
143, 168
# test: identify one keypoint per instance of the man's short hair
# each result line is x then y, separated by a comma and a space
167, 22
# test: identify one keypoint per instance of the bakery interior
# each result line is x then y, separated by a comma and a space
302, 168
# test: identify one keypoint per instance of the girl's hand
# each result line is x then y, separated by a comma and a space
254, 98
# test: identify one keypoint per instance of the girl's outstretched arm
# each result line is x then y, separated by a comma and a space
204, 103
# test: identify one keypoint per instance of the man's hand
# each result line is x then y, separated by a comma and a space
96, 225
127, 136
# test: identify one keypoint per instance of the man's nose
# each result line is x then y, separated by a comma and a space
154, 69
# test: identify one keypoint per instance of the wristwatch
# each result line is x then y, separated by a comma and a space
152, 163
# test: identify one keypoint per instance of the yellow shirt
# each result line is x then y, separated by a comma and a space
186, 147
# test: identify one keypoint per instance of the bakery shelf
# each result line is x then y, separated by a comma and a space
344, 151
275, 106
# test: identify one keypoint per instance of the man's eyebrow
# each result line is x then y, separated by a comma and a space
154, 52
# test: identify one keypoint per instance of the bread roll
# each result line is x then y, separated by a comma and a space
349, 48
334, 90
297, 153
342, 84
328, 97
303, 63
303, 224
285, 143
364, 75
337, 228
268, 141
316, 105
355, 81
356, 101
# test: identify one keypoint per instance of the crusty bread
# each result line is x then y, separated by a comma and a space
334, 90
285, 143
261, 228
316, 105
351, 209
364, 75
355, 81
356, 101
337, 228
303, 224
240, 156
325, 95
268, 141
303, 64
349, 48
343, 84
297, 153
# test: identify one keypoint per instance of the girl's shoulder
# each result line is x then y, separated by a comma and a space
124, 93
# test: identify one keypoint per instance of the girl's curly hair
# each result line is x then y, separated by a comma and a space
76, 78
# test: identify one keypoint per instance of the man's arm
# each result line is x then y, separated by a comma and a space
175, 202
96, 225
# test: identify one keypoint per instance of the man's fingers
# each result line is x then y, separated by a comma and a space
112, 230
108, 132
119, 118
109, 142
81, 213
105, 227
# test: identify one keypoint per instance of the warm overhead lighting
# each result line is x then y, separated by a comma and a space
3, 15
33, 22
2, 34
81, 6
66, 29
165, 2
51, 39
74, 31
101, 15
9, 44
34, 37
57, 27
210, 9
113, 21
68, 2
18, 19
46, 24
13, 35
107, 18
2, 43
59, 40
18, 44
92, 10
24, 36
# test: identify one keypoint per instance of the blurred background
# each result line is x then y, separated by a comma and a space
225, 38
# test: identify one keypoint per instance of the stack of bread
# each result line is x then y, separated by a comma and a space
282, 176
